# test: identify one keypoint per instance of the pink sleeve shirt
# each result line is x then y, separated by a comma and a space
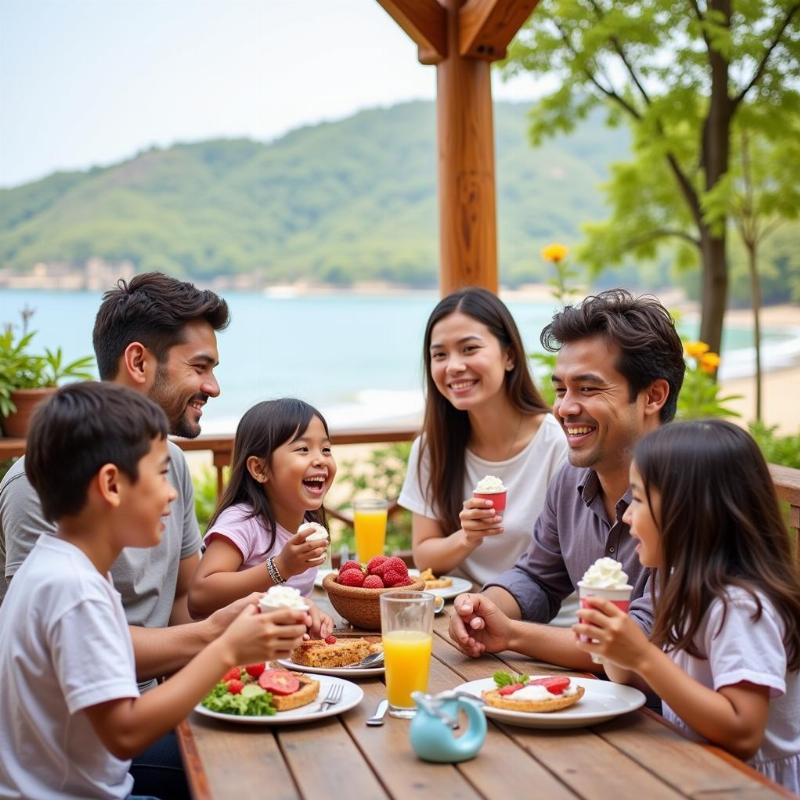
251, 537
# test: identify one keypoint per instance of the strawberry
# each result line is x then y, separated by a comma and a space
510, 689
374, 563
233, 674
350, 565
330, 639
554, 684
396, 563
373, 582
352, 577
254, 670
235, 687
391, 577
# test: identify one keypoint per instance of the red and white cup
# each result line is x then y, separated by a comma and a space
498, 499
620, 597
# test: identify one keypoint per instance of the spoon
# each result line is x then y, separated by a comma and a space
377, 718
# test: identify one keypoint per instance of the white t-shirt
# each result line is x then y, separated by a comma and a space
744, 650
525, 476
64, 646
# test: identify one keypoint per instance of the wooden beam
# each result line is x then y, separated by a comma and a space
465, 134
425, 21
486, 27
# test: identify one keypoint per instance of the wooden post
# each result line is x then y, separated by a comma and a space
465, 135
462, 39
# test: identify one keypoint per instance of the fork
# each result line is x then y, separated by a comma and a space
332, 698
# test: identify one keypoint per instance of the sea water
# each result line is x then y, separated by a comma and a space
357, 357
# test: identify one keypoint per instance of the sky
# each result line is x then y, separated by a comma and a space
88, 82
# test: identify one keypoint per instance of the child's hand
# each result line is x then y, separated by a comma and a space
298, 555
253, 636
614, 635
321, 624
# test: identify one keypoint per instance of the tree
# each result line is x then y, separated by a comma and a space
766, 193
679, 74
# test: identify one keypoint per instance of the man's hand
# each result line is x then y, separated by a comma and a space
321, 623
479, 626
219, 621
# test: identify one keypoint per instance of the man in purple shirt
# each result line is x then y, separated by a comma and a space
617, 377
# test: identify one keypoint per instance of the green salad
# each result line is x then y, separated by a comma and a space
247, 703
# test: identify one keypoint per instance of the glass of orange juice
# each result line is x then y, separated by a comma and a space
369, 521
407, 633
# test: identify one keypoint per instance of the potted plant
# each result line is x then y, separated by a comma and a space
27, 378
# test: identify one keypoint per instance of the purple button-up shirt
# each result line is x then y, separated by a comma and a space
571, 533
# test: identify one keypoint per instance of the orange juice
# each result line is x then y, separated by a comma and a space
408, 656
370, 527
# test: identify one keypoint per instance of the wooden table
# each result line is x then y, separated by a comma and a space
635, 756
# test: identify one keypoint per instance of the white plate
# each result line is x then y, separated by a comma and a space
602, 701
460, 585
351, 696
354, 672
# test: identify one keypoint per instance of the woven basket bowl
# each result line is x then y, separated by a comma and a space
362, 607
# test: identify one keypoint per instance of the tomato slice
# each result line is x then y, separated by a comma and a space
510, 689
278, 681
554, 685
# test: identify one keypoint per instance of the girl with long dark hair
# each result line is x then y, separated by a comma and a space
483, 416
724, 653
281, 469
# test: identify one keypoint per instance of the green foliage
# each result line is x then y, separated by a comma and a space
647, 63
205, 494
381, 473
353, 200
784, 450
21, 369
700, 397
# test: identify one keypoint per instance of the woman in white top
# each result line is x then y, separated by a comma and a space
483, 416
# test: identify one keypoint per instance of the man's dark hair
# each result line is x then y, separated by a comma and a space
81, 428
153, 309
640, 327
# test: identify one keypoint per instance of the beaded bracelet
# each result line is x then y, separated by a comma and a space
274, 572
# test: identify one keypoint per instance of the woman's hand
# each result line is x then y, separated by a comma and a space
298, 555
479, 519
613, 635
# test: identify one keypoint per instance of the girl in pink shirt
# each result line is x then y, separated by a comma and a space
282, 467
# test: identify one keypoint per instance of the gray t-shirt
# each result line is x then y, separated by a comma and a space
145, 577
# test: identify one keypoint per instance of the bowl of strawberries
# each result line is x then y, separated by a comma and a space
356, 589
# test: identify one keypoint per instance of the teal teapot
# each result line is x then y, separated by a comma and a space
436, 721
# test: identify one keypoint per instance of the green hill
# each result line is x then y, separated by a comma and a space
339, 202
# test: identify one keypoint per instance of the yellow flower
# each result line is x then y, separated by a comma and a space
709, 362
695, 349
554, 252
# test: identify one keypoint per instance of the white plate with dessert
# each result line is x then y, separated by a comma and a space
594, 701
291, 708
336, 656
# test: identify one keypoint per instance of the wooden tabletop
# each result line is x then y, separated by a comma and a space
634, 756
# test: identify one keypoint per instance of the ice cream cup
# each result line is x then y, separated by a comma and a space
498, 499
619, 596
267, 604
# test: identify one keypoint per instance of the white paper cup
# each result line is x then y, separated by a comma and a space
620, 597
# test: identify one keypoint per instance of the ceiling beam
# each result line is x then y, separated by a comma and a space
486, 27
425, 21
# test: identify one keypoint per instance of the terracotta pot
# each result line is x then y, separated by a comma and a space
16, 424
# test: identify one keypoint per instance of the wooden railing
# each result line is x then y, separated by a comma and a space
787, 480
